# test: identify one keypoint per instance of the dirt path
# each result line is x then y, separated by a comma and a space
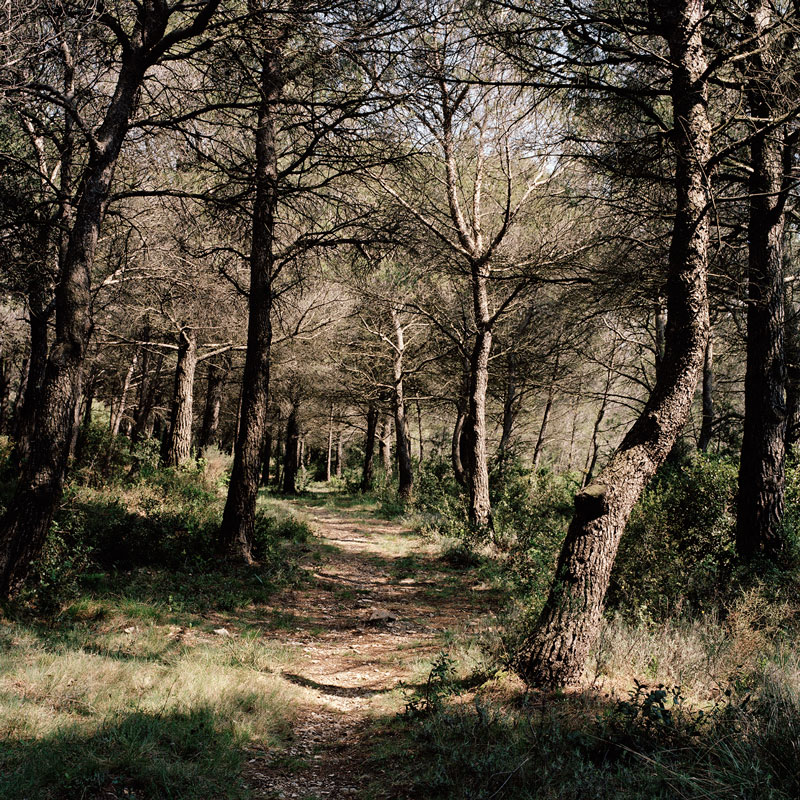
374, 615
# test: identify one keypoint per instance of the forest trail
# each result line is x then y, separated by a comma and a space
380, 606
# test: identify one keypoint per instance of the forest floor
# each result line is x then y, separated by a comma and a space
191, 684
380, 608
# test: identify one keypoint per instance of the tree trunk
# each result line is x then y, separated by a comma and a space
404, 471
551, 390
5, 386
27, 519
480, 511
339, 453
290, 453
419, 430
116, 418
509, 413
792, 344
178, 447
148, 395
217, 373
238, 519
37, 365
367, 473
267, 458
759, 518
384, 447
455, 449
707, 425
329, 463
557, 649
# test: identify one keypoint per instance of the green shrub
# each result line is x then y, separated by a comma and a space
677, 552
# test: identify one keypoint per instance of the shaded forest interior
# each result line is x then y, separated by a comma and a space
399, 400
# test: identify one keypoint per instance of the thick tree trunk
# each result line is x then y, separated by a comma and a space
759, 518
368, 472
480, 510
556, 651
290, 463
26, 521
178, 446
238, 519
37, 365
217, 373
405, 473
707, 425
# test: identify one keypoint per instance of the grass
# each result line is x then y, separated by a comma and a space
151, 709
705, 708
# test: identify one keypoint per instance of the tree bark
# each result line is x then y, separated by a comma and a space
178, 444
405, 473
480, 510
27, 519
37, 365
290, 453
455, 450
238, 521
384, 447
759, 518
217, 373
25, 524
368, 472
122, 402
329, 463
551, 390
707, 425
555, 653
267, 458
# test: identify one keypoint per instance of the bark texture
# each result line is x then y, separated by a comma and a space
759, 517
707, 425
27, 519
178, 444
405, 473
214, 386
290, 456
556, 651
238, 520
368, 471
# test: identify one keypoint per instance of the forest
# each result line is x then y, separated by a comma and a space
399, 399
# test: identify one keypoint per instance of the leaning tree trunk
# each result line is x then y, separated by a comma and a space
555, 653
27, 519
405, 473
178, 446
759, 517
368, 471
290, 464
238, 520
